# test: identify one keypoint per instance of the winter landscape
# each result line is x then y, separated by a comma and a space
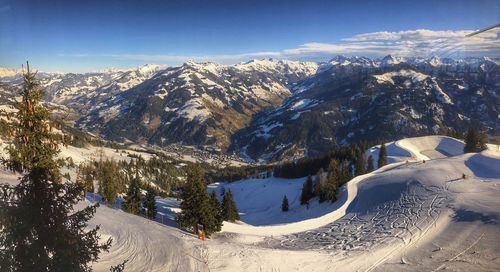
368, 146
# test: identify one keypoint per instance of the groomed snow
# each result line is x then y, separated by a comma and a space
406, 216
384, 220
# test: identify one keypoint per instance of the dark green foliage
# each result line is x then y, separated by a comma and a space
195, 205
161, 171
475, 140
319, 185
40, 230
345, 172
110, 179
307, 191
369, 164
310, 165
149, 204
118, 267
232, 173
216, 211
229, 209
360, 162
284, 204
327, 185
453, 133
132, 201
332, 181
382, 156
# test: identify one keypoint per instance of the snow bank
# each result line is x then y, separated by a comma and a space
485, 164
271, 211
432, 147
147, 245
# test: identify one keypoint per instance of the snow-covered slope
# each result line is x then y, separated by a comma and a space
406, 216
147, 245
358, 99
197, 103
396, 218
421, 148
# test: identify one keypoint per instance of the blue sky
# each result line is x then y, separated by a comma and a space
87, 35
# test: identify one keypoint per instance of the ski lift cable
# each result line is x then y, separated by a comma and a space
447, 47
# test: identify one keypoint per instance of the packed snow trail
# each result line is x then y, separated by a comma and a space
345, 199
395, 217
412, 148
147, 245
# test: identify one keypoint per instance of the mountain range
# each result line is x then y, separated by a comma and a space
269, 110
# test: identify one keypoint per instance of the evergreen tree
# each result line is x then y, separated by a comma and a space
195, 205
319, 185
307, 191
369, 164
216, 211
40, 230
284, 204
108, 176
332, 181
229, 209
149, 203
382, 156
86, 176
475, 140
345, 172
360, 162
132, 202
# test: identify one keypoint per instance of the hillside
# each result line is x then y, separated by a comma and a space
272, 110
405, 216
358, 99
409, 215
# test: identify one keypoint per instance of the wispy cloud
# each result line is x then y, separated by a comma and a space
421, 42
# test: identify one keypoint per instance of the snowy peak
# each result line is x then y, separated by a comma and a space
196, 103
391, 60
9, 72
403, 73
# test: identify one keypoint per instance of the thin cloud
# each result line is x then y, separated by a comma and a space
421, 42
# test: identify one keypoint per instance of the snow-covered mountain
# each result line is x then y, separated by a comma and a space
358, 99
197, 103
275, 109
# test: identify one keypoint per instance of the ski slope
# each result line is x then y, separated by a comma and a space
416, 214
388, 220
147, 245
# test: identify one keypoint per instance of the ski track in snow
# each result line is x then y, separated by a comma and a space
395, 221
376, 234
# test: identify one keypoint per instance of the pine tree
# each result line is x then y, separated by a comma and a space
369, 164
319, 185
360, 162
382, 156
345, 172
216, 211
132, 202
475, 140
40, 230
108, 179
229, 209
284, 204
149, 203
195, 205
307, 191
332, 181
